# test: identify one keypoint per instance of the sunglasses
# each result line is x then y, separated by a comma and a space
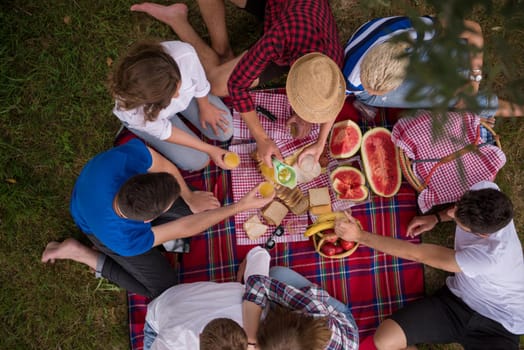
271, 242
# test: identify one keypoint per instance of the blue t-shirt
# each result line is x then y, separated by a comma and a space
94, 192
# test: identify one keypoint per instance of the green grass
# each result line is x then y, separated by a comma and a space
55, 114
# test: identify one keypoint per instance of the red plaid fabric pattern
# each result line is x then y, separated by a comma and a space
419, 138
372, 283
292, 28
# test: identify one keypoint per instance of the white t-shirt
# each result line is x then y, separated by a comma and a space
491, 280
180, 314
193, 84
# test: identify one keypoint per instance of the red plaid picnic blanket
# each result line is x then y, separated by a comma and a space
417, 137
372, 283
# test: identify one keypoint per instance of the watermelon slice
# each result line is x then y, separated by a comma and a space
349, 183
345, 139
381, 162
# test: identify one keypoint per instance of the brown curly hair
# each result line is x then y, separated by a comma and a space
147, 76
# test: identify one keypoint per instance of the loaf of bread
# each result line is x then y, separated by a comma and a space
275, 212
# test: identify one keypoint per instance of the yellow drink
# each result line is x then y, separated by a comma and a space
266, 171
266, 189
232, 160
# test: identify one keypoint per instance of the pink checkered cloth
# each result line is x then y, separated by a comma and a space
419, 138
247, 175
278, 105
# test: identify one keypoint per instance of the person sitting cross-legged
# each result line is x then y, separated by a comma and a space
117, 201
482, 304
292, 30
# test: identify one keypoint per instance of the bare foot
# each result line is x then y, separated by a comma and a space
169, 15
69, 249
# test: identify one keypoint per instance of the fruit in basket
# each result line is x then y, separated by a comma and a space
329, 249
345, 139
349, 183
346, 245
330, 236
381, 162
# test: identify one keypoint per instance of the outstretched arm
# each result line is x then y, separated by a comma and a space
266, 147
196, 200
191, 225
429, 254
317, 148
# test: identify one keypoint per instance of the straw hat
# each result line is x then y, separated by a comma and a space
316, 88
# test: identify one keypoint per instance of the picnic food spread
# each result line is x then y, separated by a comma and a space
349, 183
345, 139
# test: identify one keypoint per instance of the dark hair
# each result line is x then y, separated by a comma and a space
223, 334
484, 211
284, 329
144, 197
147, 76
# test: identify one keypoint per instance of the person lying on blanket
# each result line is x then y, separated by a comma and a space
375, 67
210, 316
292, 29
155, 81
482, 304
118, 199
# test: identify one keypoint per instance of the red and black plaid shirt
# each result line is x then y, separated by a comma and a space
292, 28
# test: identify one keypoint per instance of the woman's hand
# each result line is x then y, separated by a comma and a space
266, 149
214, 117
315, 149
348, 228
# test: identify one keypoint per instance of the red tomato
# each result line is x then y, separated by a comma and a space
328, 248
346, 245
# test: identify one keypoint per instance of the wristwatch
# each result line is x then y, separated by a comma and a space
475, 75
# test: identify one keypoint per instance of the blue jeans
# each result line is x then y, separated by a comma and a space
292, 278
149, 336
398, 99
185, 157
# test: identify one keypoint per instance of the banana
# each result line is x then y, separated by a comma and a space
318, 226
330, 217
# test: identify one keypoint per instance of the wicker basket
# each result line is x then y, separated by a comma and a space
319, 240
406, 164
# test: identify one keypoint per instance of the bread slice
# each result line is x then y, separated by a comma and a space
319, 196
320, 209
274, 213
254, 227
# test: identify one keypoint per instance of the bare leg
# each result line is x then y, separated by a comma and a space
389, 335
214, 16
176, 17
508, 109
70, 249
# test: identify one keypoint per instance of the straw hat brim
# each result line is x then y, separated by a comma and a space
316, 88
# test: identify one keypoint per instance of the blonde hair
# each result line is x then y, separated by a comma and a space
383, 68
285, 329
223, 334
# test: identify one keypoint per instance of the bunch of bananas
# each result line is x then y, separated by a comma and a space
324, 222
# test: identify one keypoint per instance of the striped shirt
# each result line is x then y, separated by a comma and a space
373, 33
310, 300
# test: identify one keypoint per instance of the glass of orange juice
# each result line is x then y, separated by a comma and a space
232, 160
266, 189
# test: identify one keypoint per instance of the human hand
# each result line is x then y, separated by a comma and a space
314, 150
298, 127
266, 149
348, 228
420, 224
252, 201
213, 116
217, 154
199, 201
